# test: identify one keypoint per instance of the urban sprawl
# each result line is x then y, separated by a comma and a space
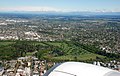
52, 39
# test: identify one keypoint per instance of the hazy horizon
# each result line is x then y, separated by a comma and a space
61, 5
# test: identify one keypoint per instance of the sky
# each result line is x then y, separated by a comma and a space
60, 5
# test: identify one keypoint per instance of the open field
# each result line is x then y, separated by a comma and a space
56, 51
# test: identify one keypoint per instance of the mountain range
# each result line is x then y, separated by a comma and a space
63, 13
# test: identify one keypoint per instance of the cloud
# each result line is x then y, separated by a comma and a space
29, 9
33, 8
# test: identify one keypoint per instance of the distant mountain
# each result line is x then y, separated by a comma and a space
65, 13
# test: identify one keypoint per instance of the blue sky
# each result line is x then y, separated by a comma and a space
60, 5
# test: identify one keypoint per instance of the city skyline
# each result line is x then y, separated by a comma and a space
61, 5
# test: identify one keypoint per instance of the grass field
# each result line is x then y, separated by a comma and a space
80, 57
6, 43
71, 51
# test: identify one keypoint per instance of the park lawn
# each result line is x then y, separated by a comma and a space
40, 43
83, 57
5, 43
59, 44
29, 54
